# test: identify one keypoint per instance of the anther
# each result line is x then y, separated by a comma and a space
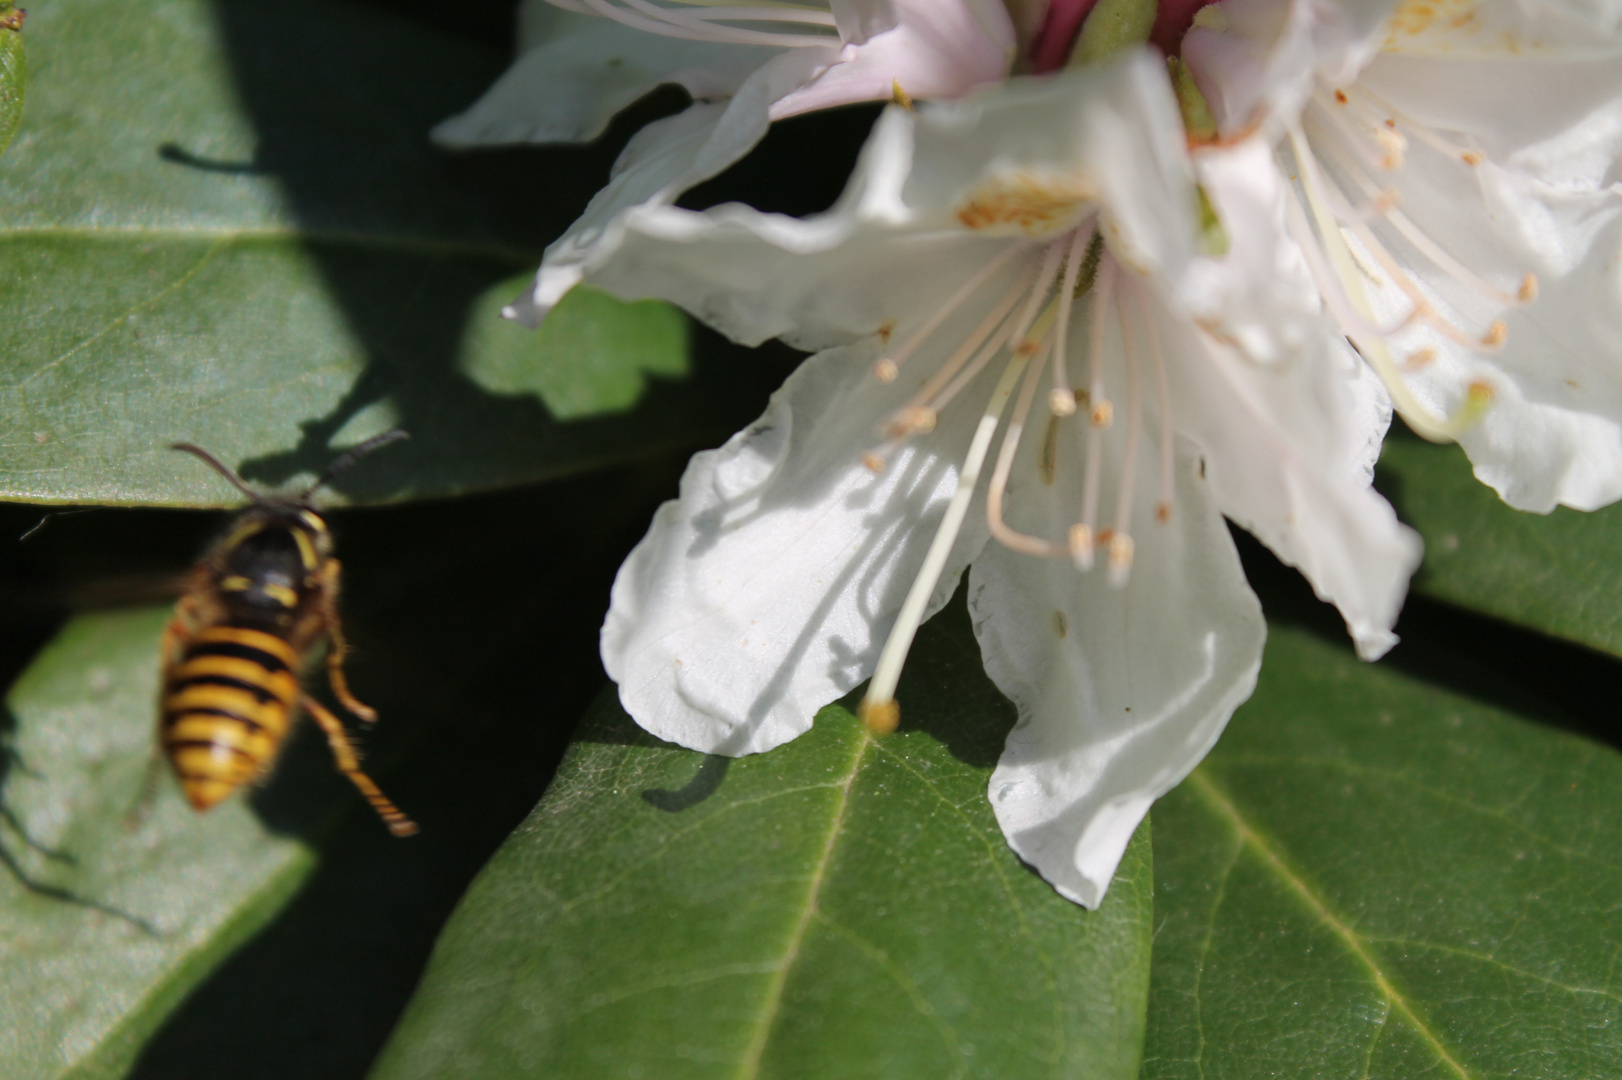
1120, 559
912, 420
1163, 513
1102, 414
873, 462
1061, 402
1394, 145
886, 370
1340, 97
1027, 347
1473, 157
1420, 360
1495, 335
1081, 546
1528, 291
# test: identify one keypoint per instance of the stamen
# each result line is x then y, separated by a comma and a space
1424, 132
1019, 336
878, 708
892, 363
1373, 348
1103, 289
1428, 247
1062, 399
1017, 541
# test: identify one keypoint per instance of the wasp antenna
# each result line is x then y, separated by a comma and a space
374, 443
214, 463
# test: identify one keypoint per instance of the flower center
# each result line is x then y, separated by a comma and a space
1025, 328
735, 22
1361, 136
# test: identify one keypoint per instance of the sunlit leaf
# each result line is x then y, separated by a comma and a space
224, 224
1376, 878
840, 906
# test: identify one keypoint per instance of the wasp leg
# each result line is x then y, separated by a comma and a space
343, 752
337, 646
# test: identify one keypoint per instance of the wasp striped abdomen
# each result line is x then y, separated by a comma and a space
226, 709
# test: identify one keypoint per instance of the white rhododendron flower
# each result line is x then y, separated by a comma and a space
1019, 376
746, 64
1458, 198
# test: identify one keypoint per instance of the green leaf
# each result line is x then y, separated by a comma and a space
840, 906
106, 924
1556, 573
224, 225
1375, 877
13, 73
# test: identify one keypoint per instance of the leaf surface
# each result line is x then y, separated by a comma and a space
840, 906
1558, 573
250, 245
104, 926
1378, 878
13, 74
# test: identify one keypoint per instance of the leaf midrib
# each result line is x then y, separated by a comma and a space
1249, 835
749, 1066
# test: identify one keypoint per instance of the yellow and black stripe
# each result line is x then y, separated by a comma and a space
226, 709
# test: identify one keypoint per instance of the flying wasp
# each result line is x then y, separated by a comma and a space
256, 604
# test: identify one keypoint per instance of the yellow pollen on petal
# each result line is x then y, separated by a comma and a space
1102, 414
1028, 204
886, 371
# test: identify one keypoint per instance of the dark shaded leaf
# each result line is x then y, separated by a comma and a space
1558, 573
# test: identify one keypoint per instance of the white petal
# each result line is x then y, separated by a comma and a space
1120, 692
1292, 420
663, 160
768, 588
934, 49
1547, 200
576, 71
1261, 63
933, 191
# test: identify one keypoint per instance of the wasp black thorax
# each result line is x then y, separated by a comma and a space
269, 566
